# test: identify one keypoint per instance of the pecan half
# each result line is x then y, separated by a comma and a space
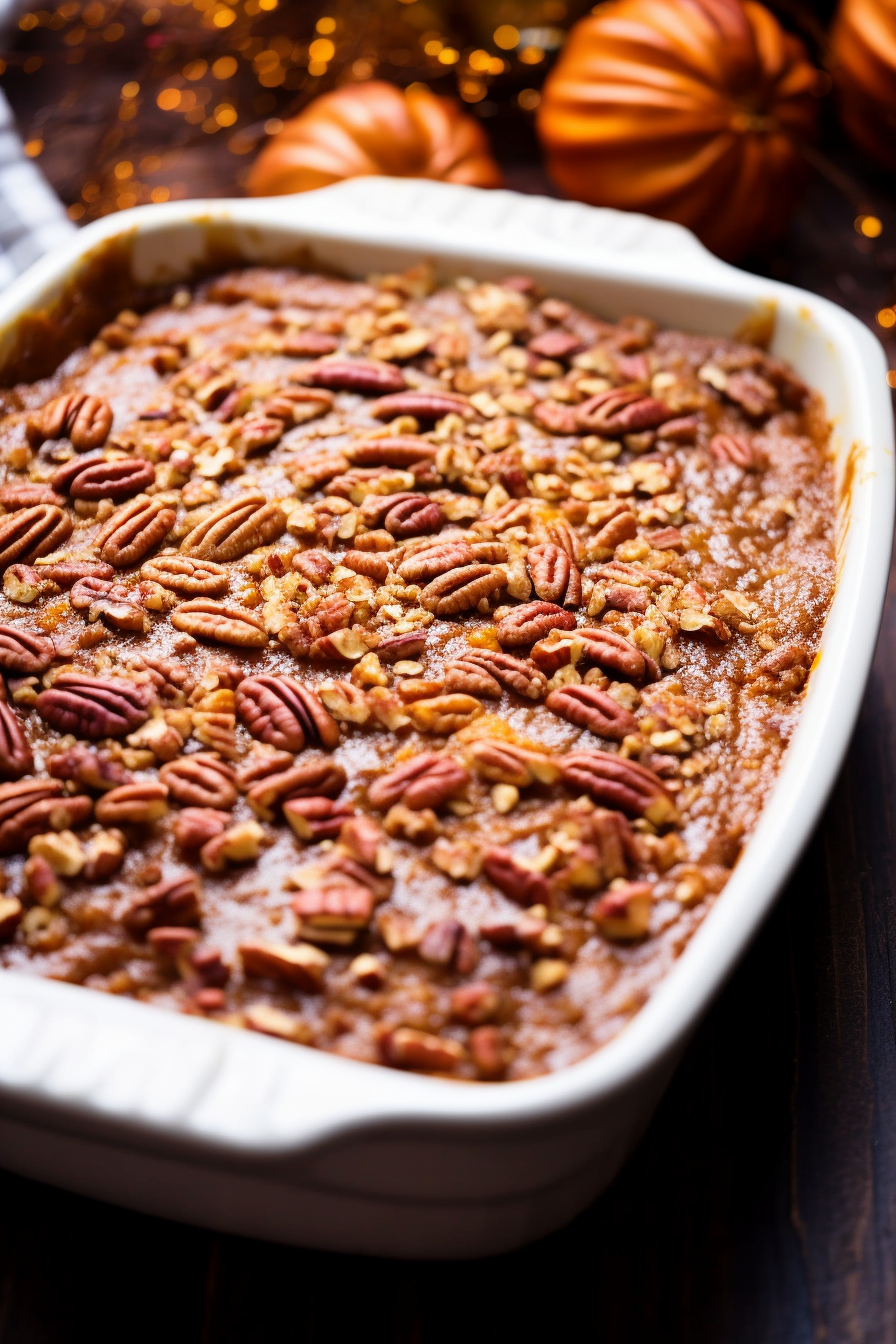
320, 777
173, 902
621, 411
403, 515
514, 674
447, 942
421, 405
395, 451
299, 344
428, 564
590, 708
555, 577
301, 965
334, 914
201, 780
23, 653
555, 417
372, 566
506, 763
186, 576
285, 714
532, 621
614, 653
623, 784
554, 344
29, 533
90, 769
369, 377
95, 478
408, 1048
194, 826
139, 804
468, 679
315, 819
235, 528
316, 566
25, 494
518, 883
93, 707
398, 647
30, 807
429, 780
15, 754
735, 449
66, 573
88, 591
134, 530
222, 622
83, 419
462, 589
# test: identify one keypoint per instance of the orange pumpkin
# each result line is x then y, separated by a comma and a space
375, 127
863, 41
687, 109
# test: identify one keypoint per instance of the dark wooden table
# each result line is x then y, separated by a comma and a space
761, 1206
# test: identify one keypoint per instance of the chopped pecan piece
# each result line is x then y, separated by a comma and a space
432, 561
395, 451
301, 965
315, 819
516, 882
590, 708
735, 449
369, 564
334, 914
370, 377
444, 713
285, 714
90, 769
506, 763
429, 780
617, 782
408, 1048
447, 942
309, 779
623, 913
174, 901
195, 826
427, 406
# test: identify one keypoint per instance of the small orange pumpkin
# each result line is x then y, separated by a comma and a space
863, 42
374, 127
687, 109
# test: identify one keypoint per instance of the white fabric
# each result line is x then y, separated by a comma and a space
32, 218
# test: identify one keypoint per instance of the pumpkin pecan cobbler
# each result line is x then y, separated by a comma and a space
396, 669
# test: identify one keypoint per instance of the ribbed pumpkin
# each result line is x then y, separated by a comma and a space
864, 48
374, 128
687, 109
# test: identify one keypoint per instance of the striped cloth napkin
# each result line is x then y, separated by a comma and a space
32, 218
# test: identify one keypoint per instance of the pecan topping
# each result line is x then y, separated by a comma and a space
428, 564
134, 530
554, 344
408, 1048
421, 405
614, 653
444, 713
285, 714
235, 528
587, 707
23, 653
315, 819
555, 577
333, 914
30, 807
736, 449
187, 577
299, 344
90, 769
139, 804
532, 621
403, 515
372, 566
555, 417
309, 779
369, 377
301, 965
173, 902
66, 573
222, 622
506, 763
201, 780
518, 883
397, 451
316, 566
15, 754
465, 677
449, 943
621, 411
25, 494
398, 647
83, 419
619, 783
29, 533
623, 914
195, 826
95, 478
429, 780
93, 707
462, 589
514, 674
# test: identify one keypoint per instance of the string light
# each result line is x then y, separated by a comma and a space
869, 226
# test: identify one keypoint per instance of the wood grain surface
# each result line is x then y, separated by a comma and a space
759, 1209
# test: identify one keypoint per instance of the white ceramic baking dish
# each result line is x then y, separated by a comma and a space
177, 1116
